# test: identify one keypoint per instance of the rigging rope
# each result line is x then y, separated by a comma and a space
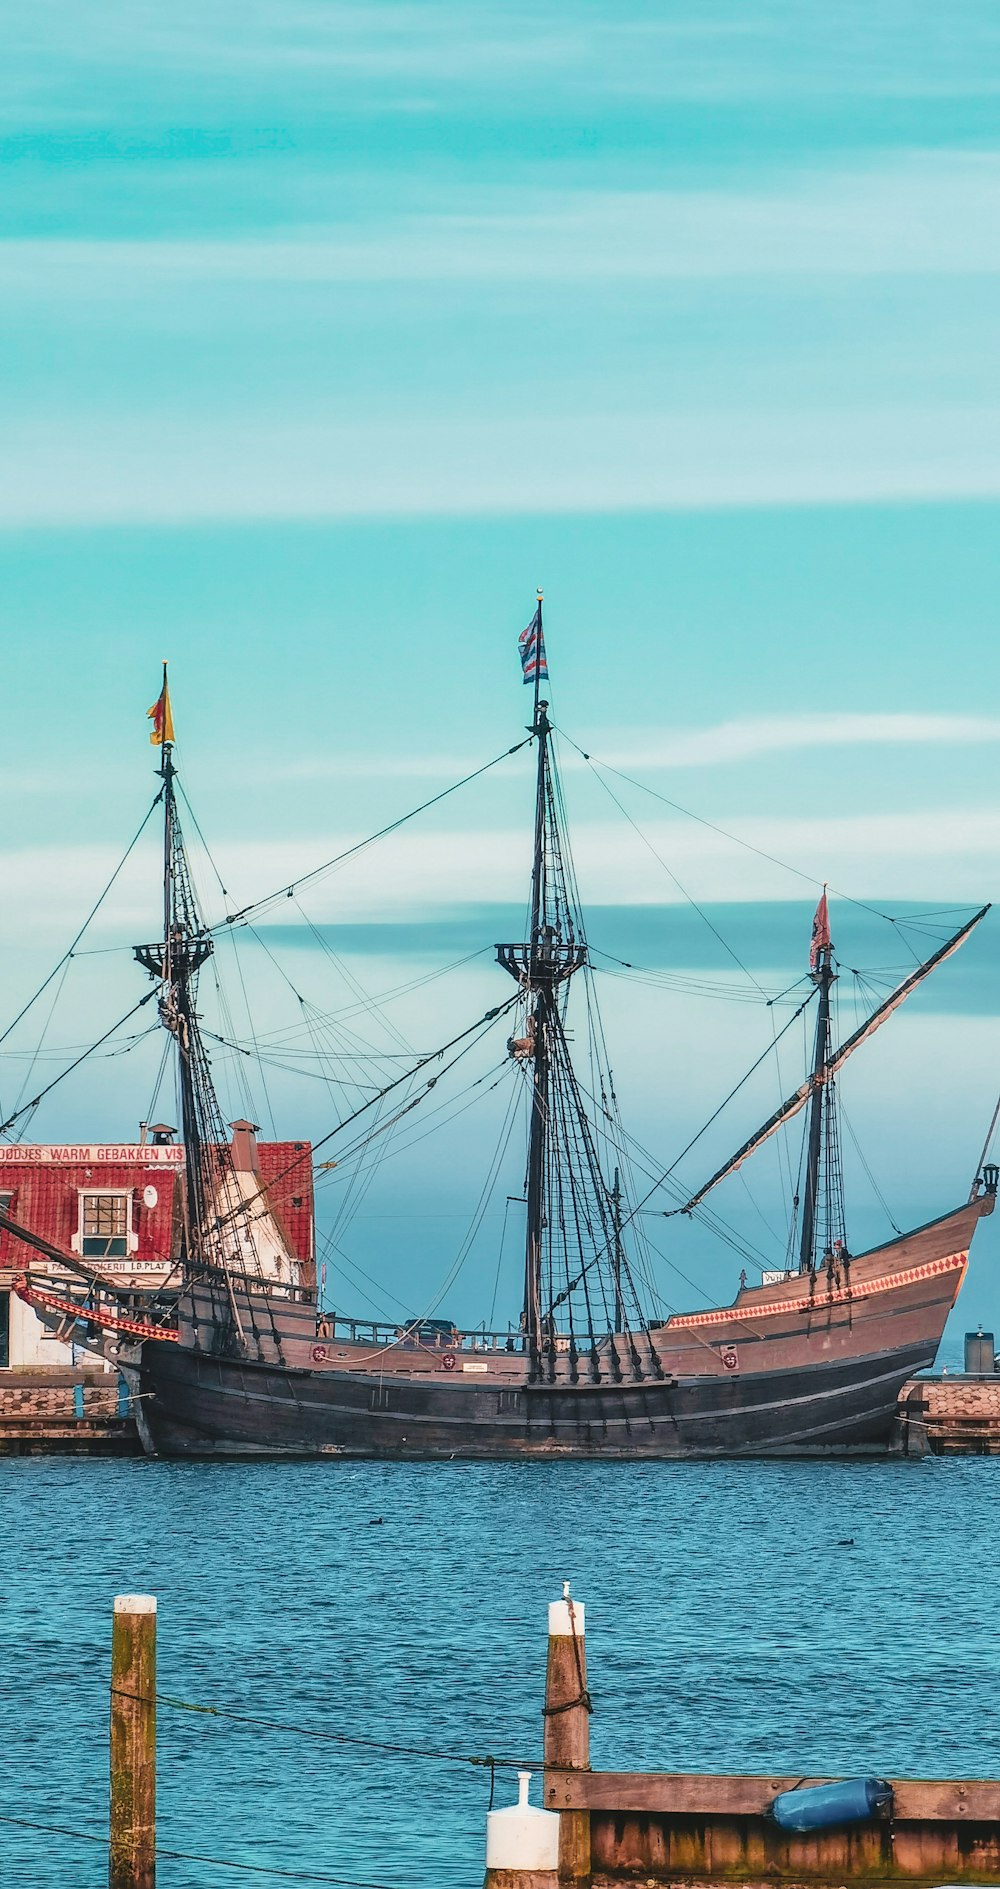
68, 953
39, 1046
488, 1017
289, 890
195, 1856
986, 1144
325, 1736
804, 1005
876, 1190
672, 1212
808, 877
702, 914
11, 1119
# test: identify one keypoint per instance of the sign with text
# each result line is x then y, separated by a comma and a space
144, 1154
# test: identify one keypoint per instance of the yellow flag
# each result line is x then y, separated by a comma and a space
161, 718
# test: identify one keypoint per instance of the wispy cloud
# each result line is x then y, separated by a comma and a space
922, 213
150, 467
926, 855
752, 739
718, 745
777, 49
309, 43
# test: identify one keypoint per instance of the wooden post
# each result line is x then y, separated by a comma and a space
566, 1738
132, 1858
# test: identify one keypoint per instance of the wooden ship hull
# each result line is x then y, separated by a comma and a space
804, 1367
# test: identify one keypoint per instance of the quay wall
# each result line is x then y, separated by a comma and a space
58, 1411
960, 1414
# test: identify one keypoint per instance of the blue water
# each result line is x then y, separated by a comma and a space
727, 1629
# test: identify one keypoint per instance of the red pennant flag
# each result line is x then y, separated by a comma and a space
820, 933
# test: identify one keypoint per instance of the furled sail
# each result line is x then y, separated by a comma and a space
802, 1094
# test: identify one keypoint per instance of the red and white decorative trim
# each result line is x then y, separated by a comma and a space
842, 1295
107, 1320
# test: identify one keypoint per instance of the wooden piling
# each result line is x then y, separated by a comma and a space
566, 1739
132, 1855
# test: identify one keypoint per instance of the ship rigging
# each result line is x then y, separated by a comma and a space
588, 1367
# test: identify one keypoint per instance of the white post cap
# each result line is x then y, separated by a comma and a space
135, 1603
561, 1626
523, 1838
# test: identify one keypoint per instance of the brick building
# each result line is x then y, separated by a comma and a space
121, 1208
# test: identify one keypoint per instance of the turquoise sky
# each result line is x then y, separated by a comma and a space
332, 331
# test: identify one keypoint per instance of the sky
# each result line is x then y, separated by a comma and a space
331, 333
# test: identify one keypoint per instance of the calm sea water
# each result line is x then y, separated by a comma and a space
728, 1628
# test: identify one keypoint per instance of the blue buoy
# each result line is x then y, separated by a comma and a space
822, 1806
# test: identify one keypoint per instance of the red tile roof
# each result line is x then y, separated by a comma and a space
45, 1197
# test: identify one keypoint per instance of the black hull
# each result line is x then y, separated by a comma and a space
194, 1405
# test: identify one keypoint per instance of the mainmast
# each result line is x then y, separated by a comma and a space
540, 965
541, 983
618, 1251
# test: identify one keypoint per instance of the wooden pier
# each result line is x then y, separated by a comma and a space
662, 1830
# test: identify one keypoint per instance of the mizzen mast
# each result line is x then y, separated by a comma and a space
835, 1060
822, 1165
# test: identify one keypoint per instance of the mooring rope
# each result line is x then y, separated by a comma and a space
195, 1856
487, 1761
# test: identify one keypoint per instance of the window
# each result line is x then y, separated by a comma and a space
104, 1226
4, 1330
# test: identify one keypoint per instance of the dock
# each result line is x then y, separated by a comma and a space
65, 1412
663, 1830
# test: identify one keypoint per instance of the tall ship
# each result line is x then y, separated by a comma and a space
230, 1352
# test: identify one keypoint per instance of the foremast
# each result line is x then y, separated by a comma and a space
216, 1222
218, 1243
175, 963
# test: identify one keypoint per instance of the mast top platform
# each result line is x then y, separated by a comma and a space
543, 964
180, 959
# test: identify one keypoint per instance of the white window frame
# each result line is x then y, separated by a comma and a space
105, 1193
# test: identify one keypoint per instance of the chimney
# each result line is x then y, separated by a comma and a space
245, 1157
161, 1132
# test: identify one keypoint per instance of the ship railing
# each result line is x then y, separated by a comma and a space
417, 1336
420, 1336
